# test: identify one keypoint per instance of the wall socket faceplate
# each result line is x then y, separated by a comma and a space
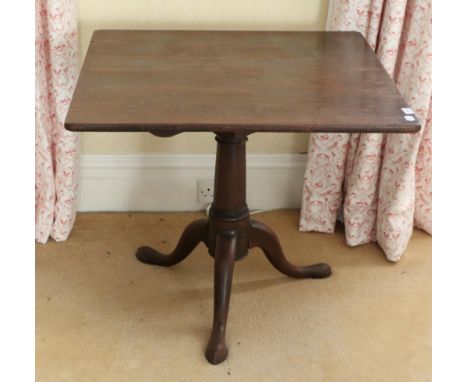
205, 190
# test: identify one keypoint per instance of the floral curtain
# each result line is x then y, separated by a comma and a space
56, 148
379, 184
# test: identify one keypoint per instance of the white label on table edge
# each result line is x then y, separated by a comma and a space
407, 110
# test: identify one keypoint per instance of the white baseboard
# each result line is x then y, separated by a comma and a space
170, 182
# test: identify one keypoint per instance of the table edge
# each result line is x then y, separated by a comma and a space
254, 128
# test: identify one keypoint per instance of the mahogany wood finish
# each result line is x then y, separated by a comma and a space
226, 243
233, 84
174, 81
195, 232
229, 233
262, 236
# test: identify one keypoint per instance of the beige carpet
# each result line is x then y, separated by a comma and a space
103, 316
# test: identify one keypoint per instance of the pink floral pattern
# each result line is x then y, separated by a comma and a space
56, 148
379, 184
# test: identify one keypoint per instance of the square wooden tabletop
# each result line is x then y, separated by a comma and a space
235, 81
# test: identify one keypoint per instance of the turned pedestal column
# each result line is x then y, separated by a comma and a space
229, 233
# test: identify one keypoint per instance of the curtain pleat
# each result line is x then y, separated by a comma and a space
56, 149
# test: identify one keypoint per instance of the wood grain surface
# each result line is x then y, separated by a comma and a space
173, 81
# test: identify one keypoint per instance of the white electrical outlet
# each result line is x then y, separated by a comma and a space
205, 190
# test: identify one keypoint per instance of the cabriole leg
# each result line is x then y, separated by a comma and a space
225, 254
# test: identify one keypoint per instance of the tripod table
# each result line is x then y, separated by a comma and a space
233, 84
